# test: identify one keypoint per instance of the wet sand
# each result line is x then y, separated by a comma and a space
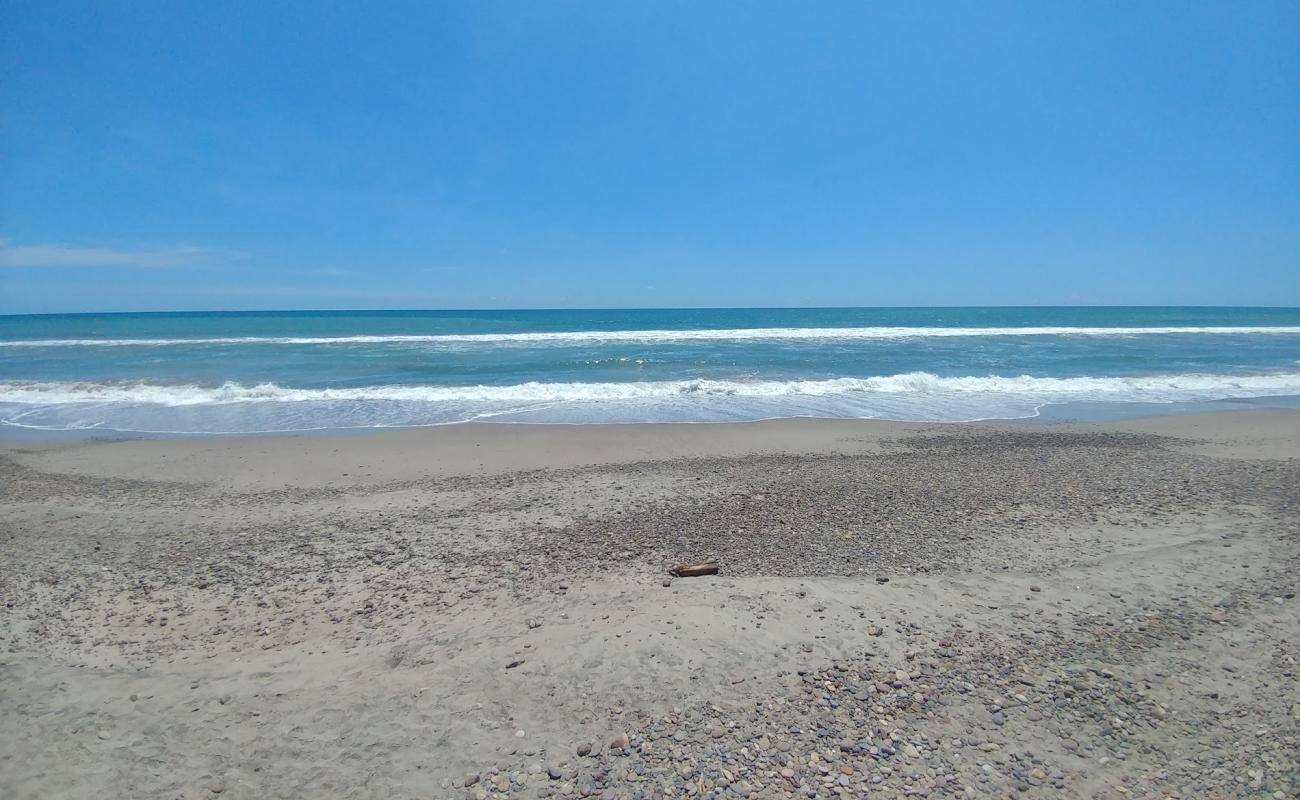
982, 610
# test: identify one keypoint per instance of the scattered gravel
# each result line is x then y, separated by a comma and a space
1058, 702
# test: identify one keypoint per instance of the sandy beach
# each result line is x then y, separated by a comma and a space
959, 610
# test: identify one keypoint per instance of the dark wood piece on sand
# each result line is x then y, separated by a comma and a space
695, 570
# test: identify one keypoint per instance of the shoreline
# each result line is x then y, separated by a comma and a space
475, 448
485, 611
1048, 413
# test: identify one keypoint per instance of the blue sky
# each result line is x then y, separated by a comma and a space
328, 155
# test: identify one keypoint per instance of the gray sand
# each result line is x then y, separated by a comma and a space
1086, 610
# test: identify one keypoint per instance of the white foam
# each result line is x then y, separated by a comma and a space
1154, 388
268, 407
718, 334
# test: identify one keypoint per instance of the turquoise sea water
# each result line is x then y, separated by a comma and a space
285, 371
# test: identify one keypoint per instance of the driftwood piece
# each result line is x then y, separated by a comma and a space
695, 570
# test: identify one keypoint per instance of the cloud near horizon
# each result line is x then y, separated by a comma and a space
38, 256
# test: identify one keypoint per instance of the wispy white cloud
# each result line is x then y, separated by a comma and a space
36, 256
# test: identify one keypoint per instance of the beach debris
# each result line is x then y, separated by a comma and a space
695, 570
534, 623
514, 664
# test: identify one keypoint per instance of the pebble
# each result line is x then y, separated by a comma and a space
833, 730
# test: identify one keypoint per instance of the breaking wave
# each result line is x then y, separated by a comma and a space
239, 408
1144, 388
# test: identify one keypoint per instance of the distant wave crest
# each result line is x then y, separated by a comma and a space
716, 334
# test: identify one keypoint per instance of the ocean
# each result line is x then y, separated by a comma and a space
258, 372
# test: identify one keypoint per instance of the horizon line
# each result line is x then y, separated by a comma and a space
628, 308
